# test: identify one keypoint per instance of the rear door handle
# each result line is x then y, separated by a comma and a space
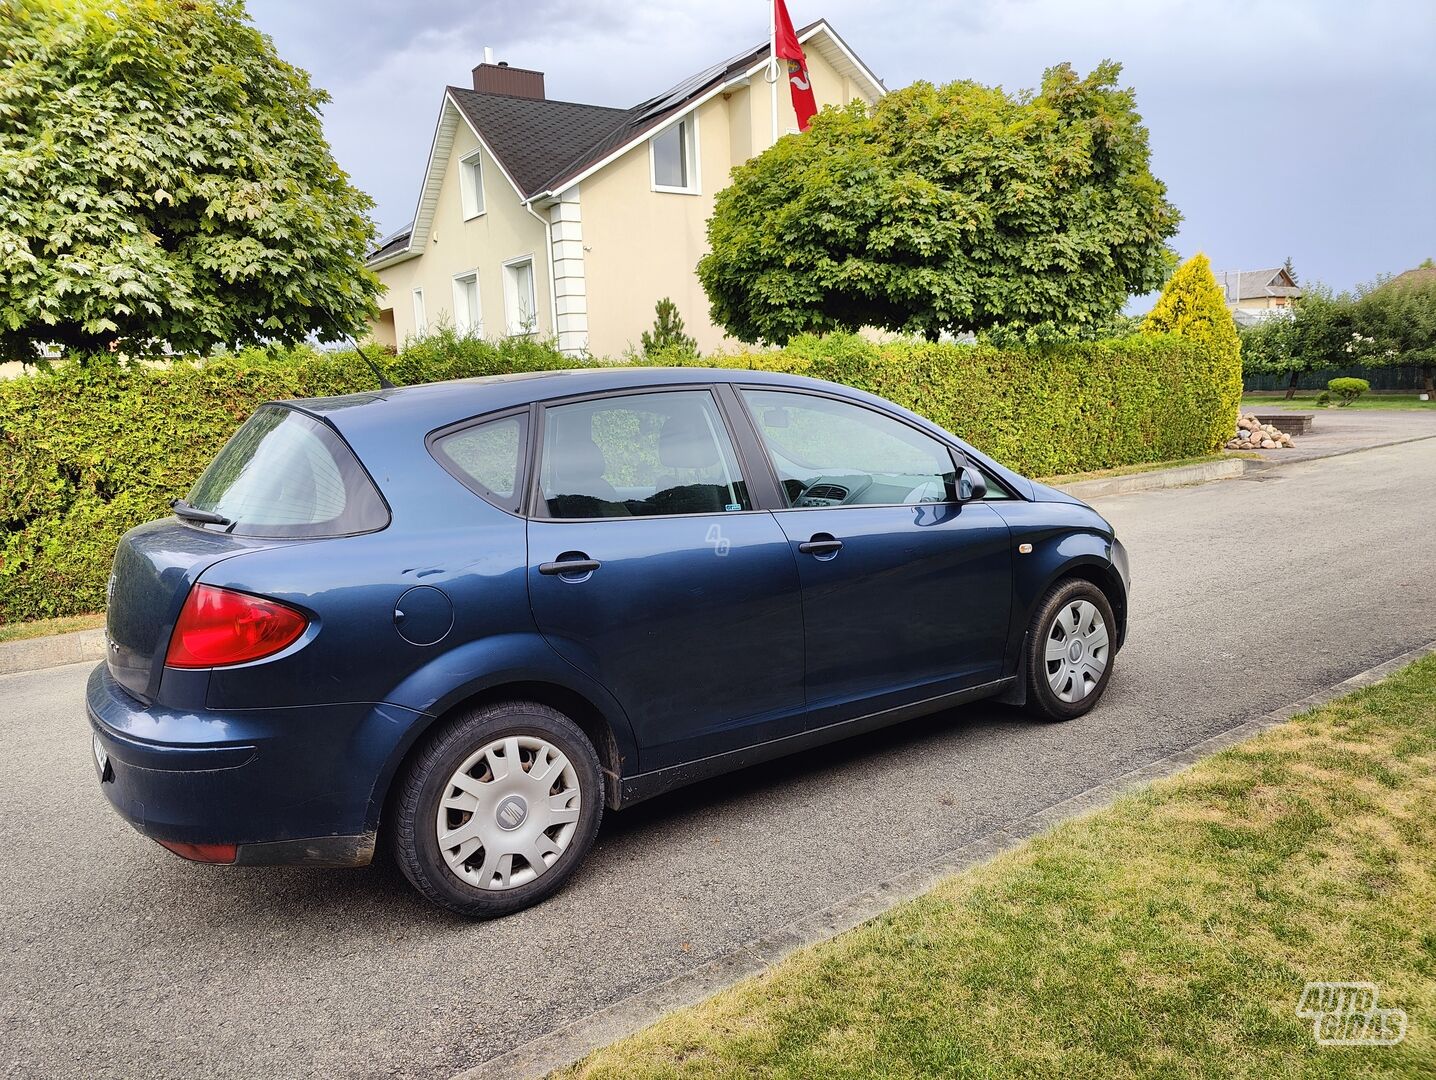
570, 566
821, 546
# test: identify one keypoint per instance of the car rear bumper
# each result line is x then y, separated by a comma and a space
285, 786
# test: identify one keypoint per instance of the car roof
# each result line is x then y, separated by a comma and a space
427, 406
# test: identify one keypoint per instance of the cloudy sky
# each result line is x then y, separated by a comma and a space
1281, 127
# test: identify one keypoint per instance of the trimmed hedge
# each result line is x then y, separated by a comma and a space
88, 452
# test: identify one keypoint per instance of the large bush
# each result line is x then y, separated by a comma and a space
89, 451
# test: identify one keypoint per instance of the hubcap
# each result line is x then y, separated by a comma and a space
1077, 651
508, 812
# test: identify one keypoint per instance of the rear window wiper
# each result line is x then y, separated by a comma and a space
194, 513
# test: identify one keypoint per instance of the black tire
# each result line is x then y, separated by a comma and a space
424, 783
1042, 699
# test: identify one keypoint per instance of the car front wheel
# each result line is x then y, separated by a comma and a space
498, 809
1069, 650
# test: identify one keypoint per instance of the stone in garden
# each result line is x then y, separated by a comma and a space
1267, 444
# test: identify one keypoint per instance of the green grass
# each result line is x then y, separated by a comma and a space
1146, 466
1307, 402
19, 631
1167, 936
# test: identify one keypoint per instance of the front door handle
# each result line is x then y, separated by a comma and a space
821, 544
570, 566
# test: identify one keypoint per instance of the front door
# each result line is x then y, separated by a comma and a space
907, 592
651, 571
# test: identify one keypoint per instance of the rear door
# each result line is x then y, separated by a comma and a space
906, 591
651, 570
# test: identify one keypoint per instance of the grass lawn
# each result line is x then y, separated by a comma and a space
1307, 403
1170, 935
18, 631
1145, 466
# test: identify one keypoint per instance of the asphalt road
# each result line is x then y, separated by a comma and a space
121, 960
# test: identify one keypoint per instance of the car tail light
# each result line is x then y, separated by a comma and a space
211, 853
221, 626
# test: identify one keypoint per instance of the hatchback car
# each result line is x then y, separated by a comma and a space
470, 616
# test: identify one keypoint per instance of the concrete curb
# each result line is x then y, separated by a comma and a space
33, 654
565, 1045
1181, 476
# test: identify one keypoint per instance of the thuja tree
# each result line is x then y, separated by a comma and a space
167, 183
953, 208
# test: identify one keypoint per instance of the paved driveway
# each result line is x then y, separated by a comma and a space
121, 960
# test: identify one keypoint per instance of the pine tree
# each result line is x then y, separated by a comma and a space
668, 336
1192, 306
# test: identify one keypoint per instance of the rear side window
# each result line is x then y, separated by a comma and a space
488, 458
285, 474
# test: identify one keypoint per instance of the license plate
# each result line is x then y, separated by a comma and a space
102, 759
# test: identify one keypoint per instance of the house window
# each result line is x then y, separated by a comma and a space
421, 322
468, 316
471, 185
674, 154
520, 304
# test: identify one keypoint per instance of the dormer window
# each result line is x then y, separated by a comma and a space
674, 156
471, 184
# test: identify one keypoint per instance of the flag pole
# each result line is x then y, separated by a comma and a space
773, 62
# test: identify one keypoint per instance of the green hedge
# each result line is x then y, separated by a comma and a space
87, 452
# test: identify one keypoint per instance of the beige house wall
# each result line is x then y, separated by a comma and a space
504, 231
1261, 303
641, 245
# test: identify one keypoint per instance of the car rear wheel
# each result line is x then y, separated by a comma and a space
1069, 650
498, 809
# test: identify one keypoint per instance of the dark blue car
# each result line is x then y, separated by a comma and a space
468, 616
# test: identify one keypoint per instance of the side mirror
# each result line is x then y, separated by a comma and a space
971, 486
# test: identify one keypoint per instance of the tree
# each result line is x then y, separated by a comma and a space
1193, 306
955, 208
1399, 315
1318, 333
167, 183
668, 335
1290, 270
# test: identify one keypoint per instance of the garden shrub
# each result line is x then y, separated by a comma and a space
86, 452
1347, 390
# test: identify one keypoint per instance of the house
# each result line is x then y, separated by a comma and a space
571, 221
1253, 295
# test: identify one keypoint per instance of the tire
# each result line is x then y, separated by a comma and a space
1062, 660
498, 820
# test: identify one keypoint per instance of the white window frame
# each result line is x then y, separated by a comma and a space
512, 323
694, 162
465, 321
421, 319
471, 184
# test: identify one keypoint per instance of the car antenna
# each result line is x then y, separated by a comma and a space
384, 383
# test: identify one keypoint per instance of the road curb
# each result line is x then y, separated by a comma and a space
34, 654
1153, 479
565, 1045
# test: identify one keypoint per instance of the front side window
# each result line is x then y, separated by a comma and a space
421, 318
674, 161
833, 453
471, 185
287, 474
520, 302
488, 458
639, 455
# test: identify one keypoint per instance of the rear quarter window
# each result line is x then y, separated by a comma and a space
285, 474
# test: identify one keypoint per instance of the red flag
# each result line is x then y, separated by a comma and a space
787, 49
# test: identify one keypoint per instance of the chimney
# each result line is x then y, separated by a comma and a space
491, 78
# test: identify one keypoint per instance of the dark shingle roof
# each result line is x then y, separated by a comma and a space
534, 138
392, 244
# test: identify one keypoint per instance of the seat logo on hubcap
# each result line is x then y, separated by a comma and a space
1075, 651
512, 812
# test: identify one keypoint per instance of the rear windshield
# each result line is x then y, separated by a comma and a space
286, 474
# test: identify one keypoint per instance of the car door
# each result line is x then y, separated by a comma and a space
907, 591
651, 570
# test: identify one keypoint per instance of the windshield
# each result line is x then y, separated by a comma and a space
286, 474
